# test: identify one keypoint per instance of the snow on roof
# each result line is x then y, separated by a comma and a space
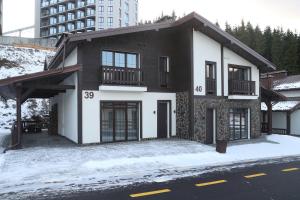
281, 105
290, 82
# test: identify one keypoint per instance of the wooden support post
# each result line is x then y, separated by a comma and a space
269, 105
19, 117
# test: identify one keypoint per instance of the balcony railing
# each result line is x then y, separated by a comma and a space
241, 87
210, 86
122, 76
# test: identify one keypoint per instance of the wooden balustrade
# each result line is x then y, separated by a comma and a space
122, 76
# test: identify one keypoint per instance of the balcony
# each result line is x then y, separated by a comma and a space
122, 76
210, 86
241, 87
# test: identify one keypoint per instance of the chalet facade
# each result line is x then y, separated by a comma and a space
186, 79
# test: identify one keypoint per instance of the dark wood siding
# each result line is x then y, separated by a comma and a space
150, 46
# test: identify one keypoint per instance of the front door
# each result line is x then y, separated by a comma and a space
162, 119
209, 126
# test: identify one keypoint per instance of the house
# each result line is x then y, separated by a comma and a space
186, 79
285, 114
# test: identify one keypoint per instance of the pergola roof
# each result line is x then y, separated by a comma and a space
271, 95
43, 84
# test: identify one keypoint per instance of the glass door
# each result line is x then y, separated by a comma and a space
238, 124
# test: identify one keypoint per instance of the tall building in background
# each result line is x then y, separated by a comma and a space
1, 16
54, 17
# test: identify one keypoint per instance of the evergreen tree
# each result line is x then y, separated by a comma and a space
277, 47
267, 52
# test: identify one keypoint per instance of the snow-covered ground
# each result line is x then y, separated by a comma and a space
16, 61
43, 170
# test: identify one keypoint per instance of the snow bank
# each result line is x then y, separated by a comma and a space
63, 169
287, 86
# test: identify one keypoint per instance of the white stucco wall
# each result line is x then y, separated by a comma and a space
67, 110
232, 58
279, 120
71, 59
295, 122
91, 112
205, 49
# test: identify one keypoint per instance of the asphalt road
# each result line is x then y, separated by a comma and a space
263, 182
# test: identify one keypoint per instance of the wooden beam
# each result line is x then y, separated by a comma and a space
19, 118
49, 87
270, 127
26, 94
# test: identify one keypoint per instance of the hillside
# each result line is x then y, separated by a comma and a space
15, 61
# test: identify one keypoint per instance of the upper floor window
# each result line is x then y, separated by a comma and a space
70, 6
61, 28
126, 7
101, 1
109, 21
126, 19
45, 3
90, 12
80, 14
53, 10
61, 18
110, 9
110, 2
80, 25
53, 1
80, 3
239, 73
101, 9
90, 2
210, 78
90, 23
119, 59
53, 20
71, 16
61, 8
164, 68
52, 30
70, 26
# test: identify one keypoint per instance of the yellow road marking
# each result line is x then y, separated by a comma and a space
210, 183
290, 169
255, 175
150, 193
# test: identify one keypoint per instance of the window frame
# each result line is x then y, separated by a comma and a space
126, 53
214, 64
232, 127
239, 67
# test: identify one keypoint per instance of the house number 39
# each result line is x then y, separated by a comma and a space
198, 89
89, 95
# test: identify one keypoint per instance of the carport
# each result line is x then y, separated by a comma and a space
43, 84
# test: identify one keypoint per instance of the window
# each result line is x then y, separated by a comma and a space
110, 2
126, 19
119, 121
131, 60
53, 10
61, 8
101, 9
107, 58
101, 1
70, 6
70, 26
109, 21
80, 3
71, 16
80, 24
110, 9
61, 28
90, 23
80, 14
45, 3
61, 18
210, 69
126, 7
53, 1
90, 12
90, 2
53, 20
119, 60
52, 31
238, 123
164, 70
239, 73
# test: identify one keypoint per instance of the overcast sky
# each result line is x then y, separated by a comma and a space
277, 13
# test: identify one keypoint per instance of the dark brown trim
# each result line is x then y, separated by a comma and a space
288, 123
141, 119
222, 70
79, 106
49, 87
191, 37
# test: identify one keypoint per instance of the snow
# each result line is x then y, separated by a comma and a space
281, 105
286, 86
71, 168
263, 106
19, 61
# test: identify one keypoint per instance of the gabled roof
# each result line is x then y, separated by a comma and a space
208, 28
288, 83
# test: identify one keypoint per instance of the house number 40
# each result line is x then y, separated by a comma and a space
89, 95
198, 89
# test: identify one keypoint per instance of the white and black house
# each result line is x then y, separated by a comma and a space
186, 79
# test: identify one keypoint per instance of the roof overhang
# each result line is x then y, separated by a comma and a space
271, 95
43, 84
